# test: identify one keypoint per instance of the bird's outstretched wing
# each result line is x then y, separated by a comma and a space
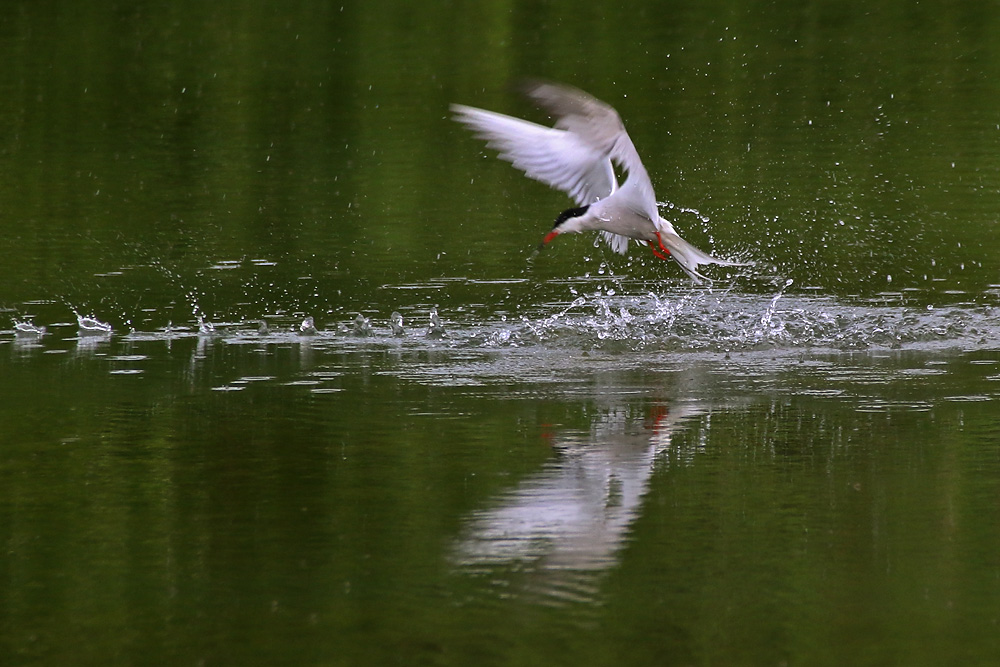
558, 158
578, 156
597, 125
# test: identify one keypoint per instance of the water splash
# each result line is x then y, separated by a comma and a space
28, 330
682, 209
396, 324
308, 327
205, 328
436, 327
362, 327
91, 326
620, 315
766, 329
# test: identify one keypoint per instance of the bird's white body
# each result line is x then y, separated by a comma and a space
608, 214
577, 156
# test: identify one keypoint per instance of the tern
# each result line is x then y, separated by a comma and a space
578, 156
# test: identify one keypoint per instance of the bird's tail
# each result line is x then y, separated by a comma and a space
690, 258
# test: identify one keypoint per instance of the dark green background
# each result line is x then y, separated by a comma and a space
832, 499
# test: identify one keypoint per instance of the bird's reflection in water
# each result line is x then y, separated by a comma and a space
561, 527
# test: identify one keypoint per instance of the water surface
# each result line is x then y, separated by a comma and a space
595, 462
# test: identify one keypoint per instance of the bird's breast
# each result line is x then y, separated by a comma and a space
624, 222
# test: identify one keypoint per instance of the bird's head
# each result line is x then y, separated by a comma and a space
568, 221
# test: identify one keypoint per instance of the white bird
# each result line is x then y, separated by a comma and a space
577, 156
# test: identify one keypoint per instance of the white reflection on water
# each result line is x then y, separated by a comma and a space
568, 522
90, 343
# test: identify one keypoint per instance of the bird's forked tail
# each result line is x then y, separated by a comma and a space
690, 257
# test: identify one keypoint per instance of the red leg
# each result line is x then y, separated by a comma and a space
662, 247
659, 246
652, 246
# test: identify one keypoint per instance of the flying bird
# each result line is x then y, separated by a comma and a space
578, 156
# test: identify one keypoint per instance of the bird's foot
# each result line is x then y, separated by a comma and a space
656, 251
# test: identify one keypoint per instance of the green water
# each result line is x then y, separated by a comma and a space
598, 463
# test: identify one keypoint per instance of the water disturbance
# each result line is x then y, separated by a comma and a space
284, 378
